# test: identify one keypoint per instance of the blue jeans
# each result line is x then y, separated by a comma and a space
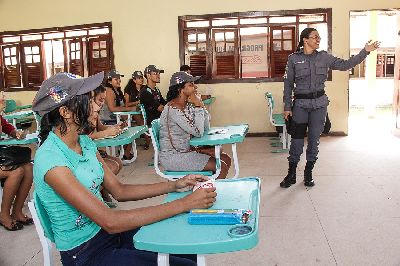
116, 249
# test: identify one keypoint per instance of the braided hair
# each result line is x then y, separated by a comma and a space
304, 34
79, 105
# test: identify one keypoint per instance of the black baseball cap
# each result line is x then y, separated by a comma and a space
152, 68
137, 74
113, 74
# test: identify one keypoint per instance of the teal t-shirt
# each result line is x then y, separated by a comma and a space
70, 227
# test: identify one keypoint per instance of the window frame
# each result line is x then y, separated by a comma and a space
65, 39
243, 15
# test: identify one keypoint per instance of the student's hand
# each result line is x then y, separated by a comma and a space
287, 114
122, 125
200, 199
19, 134
189, 181
195, 99
2, 103
371, 46
112, 130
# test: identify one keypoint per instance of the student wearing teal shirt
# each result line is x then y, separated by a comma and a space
68, 173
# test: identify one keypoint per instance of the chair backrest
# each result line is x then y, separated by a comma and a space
38, 119
155, 132
11, 106
141, 106
43, 228
270, 101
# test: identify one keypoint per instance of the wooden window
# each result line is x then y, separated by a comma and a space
247, 46
32, 64
99, 55
11, 66
30, 56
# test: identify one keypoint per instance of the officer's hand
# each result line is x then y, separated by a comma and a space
287, 114
371, 46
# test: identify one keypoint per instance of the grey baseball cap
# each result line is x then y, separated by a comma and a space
60, 88
137, 74
181, 77
113, 74
152, 68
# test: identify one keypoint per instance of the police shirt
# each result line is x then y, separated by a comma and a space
309, 72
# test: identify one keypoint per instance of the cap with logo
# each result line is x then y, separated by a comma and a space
152, 68
181, 77
137, 74
60, 88
113, 74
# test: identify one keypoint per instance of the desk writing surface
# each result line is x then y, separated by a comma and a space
127, 137
176, 236
29, 139
234, 134
16, 115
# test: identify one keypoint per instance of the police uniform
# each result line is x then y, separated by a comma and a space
305, 77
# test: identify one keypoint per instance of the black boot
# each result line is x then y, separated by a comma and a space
308, 180
290, 179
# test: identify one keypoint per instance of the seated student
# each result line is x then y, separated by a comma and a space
17, 184
101, 131
115, 103
86, 231
185, 116
132, 98
188, 70
150, 96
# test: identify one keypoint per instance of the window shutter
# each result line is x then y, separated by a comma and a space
282, 45
11, 66
226, 54
196, 54
32, 64
198, 64
75, 57
99, 55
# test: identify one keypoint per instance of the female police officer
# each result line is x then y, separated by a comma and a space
308, 69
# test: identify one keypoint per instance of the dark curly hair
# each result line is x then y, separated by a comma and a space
79, 105
174, 91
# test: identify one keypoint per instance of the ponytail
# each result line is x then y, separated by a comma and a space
304, 34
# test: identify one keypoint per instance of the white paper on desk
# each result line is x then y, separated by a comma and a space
217, 131
206, 184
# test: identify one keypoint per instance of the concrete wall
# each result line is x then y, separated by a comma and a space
146, 32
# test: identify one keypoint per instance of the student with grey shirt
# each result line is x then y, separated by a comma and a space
305, 76
183, 117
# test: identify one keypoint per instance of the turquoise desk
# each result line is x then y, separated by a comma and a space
176, 236
17, 115
209, 101
234, 134
29, 139
127, 113
127, 137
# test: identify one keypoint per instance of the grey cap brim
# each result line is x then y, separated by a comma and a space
91, 83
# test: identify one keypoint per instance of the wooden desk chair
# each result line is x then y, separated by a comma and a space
173, 175
43, 228
278, 120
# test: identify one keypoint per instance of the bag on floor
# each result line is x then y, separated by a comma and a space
11, 157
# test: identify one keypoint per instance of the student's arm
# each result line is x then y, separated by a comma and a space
104, 131
110, 101
62, 180
128, 103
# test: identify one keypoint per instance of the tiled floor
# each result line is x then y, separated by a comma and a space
351, 216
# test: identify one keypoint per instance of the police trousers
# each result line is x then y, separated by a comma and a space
306, 119
117, 249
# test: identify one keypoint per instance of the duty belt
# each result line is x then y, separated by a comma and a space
311, 95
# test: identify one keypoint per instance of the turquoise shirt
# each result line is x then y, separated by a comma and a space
70, 227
